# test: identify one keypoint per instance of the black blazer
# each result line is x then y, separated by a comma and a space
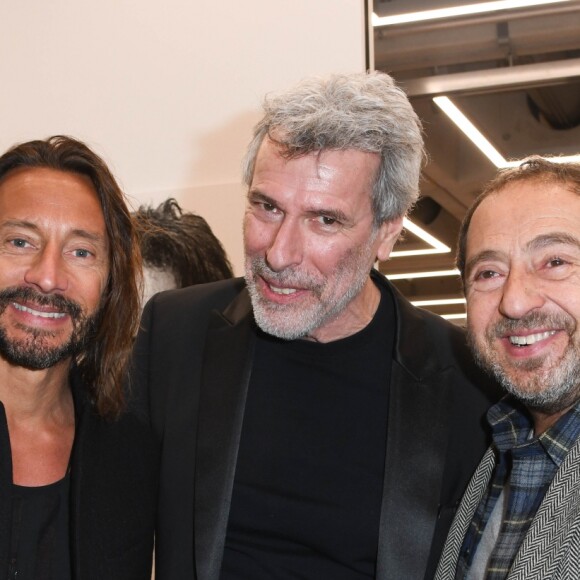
112, 496
193, 359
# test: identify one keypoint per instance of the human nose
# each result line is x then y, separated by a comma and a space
521, 294
47, 271
285, 249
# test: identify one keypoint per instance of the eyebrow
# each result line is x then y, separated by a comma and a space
538, 243
19, 224
97, 238
482, 256
93, 237
553, 239
336, 214
256, 195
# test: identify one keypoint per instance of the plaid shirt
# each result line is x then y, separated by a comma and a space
529, 463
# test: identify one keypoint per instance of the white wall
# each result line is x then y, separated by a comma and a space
166, 92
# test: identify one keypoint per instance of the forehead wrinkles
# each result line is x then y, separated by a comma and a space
522, 212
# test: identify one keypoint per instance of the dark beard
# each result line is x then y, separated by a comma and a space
32, 352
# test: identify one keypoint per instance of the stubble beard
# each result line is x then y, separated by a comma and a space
291, 322
35, 352
548, 390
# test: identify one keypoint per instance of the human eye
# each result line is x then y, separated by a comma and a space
263, 207
266, 211
328, 221
19, 243
82, 253
556, 267
16, 244
555, 262
268, 207
486, 275
16, 237
485, 279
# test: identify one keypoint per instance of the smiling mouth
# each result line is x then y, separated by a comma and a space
282, 291
39, 313
531, 338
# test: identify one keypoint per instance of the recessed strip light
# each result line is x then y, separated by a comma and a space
558, 159
425, 252
478, 139
431, 274
453, 316
473, 134
437, 247
465, 10
439, 302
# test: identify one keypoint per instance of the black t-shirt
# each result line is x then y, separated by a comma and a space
40, 538
309, 477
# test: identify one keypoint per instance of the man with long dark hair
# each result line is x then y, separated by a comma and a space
77, 485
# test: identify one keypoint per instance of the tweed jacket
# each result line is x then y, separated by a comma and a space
193, 361
551, 548
112, 496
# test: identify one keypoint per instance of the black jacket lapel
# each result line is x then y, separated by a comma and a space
227, 365
5, 495
416, 446
417, 433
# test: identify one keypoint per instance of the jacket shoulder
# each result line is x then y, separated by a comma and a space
437, 343
185, 312
215, 295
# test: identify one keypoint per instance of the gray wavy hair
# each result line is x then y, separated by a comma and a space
363, 111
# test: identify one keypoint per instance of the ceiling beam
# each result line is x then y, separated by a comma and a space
520, 76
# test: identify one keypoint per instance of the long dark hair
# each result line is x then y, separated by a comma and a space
102, 365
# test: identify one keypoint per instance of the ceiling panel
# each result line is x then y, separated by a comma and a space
515, 74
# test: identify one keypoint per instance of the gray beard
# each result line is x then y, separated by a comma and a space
291, 327
552, 392
287, 323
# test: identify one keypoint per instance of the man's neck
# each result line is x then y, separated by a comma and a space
543, 421
28, 394
41, 421
356, 316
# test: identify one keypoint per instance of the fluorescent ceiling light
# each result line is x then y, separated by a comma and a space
439, 302
432, 274
473, 134
559, 159
453, 316
480, 141
465, 10
437, 247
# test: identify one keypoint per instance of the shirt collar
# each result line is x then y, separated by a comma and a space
512, 426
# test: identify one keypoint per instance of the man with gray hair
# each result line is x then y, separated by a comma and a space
313, 423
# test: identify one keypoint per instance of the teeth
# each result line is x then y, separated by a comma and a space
531, 339
38, 313
282, 290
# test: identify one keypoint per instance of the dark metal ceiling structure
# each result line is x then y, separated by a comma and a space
514, 73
